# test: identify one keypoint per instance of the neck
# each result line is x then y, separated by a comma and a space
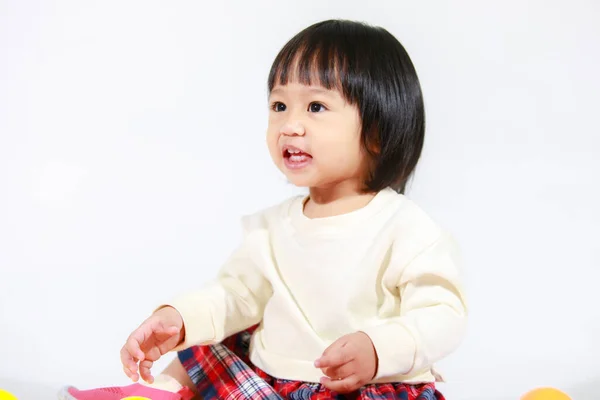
337, 200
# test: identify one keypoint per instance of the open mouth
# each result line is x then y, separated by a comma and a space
295, 158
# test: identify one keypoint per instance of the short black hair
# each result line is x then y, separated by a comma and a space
373, 71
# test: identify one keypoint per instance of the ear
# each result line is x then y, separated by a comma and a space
372, 143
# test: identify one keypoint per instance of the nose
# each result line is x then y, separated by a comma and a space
293, 126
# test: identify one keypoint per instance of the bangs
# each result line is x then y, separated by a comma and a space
321, 55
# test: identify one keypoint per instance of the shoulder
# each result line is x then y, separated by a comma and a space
415, 231
410, 218
262, 219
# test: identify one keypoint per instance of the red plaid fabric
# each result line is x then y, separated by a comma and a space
224, 371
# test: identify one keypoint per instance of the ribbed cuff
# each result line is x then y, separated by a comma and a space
395, 347
197, 320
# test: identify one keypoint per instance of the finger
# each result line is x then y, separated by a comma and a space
165, 338
133, 376
172, 330
340, 372
169, 344
341, 342
157, 337
163, 329
145, 373
152, 354
157, 346
129, 364
154, 349
333, 348
136, 340
335, 358
346, 385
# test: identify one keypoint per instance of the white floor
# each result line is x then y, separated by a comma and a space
31, 391
28, 391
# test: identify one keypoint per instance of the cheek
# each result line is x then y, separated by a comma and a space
341, 149
272, 140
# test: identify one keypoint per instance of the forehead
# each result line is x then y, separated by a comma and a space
300, 89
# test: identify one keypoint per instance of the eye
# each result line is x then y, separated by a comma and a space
316, 107
278, 106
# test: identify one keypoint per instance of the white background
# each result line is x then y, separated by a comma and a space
132, 140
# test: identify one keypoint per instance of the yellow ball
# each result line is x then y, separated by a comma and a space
4, 395
132, 398
545, 394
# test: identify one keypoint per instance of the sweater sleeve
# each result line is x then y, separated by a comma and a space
432, 315
232, 302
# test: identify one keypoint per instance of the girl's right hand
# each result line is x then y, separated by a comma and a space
156, 336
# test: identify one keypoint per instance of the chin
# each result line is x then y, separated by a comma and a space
299, 182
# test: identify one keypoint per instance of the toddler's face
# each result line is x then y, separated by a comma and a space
314, 136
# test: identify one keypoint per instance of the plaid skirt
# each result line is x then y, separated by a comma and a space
224, 371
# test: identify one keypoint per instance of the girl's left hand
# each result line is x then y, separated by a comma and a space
349, 363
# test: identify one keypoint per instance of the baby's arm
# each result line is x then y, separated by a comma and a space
433, 315
231, 303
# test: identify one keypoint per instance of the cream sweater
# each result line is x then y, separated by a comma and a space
385, 269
